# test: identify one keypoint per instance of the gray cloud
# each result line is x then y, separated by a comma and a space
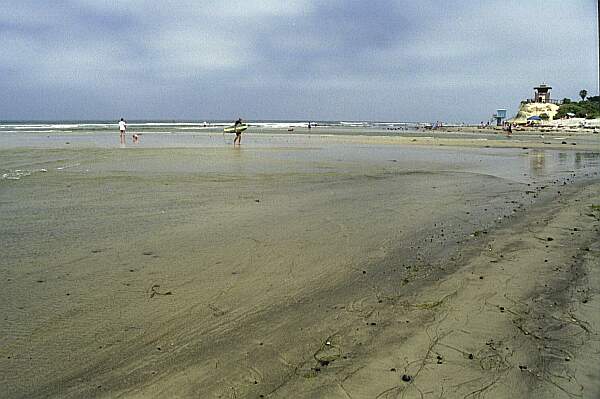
386, 59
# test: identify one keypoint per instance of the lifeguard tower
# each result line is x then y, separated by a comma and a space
541, 94
499, 116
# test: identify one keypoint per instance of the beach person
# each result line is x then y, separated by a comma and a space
238, 134
136, 138
122, 127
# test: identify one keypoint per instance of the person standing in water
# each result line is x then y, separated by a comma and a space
122, 127
238, 133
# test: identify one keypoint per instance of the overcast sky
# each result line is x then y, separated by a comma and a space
410, 60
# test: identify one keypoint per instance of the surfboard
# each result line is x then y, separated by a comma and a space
233, 129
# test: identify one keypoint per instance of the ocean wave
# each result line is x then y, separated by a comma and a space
279, 125
165, 124
151, 125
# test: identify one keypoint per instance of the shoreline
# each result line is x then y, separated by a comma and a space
255, 137
507, 142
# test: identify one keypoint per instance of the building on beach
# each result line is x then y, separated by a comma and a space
499, 116
541, 106
541, 94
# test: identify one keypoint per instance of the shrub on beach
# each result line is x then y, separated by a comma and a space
544, 116
583, 109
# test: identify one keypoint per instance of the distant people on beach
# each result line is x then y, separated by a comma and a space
507, 127
437, 125
238, 134
122, 128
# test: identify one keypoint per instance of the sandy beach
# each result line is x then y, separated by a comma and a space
300, 266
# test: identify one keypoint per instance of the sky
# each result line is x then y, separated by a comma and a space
380, 60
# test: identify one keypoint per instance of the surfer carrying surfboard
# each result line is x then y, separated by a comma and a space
238, 132
238, 127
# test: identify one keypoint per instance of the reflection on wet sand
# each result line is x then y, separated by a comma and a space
587, 159
543, 162
537, 162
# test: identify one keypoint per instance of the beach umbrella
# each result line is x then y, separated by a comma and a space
534, 118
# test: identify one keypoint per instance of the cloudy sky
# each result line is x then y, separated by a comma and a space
411, 60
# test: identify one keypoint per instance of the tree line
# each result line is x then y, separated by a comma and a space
588, 107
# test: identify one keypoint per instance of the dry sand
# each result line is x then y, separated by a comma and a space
279, 273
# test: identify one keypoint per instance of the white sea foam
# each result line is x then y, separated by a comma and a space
33, 131
64, 126
68, 166
166, 124
37, 126
355, 124
97, 125
279, 125
15, 175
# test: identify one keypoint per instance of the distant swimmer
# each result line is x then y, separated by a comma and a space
122, 127
238, 132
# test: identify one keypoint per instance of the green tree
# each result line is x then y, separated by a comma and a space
582, 109
566, 100
545, 116
583, 94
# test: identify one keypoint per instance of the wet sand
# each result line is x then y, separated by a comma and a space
338, 267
